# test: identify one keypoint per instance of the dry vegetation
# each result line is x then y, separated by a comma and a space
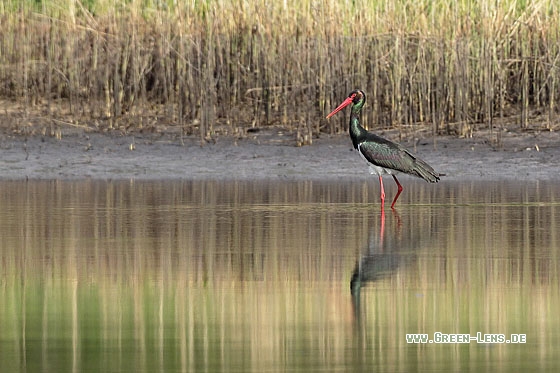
211, 66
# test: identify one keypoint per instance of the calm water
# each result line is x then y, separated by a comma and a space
276, 276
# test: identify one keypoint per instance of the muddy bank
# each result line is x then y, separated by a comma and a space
266, 155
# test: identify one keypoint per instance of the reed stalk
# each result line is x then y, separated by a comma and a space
223, 67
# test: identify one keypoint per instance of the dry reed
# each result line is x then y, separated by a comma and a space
226, 66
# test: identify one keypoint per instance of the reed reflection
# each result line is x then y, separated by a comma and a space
210, 275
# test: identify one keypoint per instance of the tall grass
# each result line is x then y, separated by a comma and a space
214, 66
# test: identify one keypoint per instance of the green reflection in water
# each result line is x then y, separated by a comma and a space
206, 276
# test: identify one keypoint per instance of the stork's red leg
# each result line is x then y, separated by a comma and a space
398, 192
382, 191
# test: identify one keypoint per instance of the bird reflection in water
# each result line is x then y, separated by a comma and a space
386, 252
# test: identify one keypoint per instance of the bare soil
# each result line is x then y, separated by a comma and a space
268, 154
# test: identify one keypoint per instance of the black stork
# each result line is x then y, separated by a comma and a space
382, 155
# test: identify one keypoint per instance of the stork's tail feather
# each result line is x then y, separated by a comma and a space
426, 172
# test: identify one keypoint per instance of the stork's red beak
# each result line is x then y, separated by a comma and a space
346, 102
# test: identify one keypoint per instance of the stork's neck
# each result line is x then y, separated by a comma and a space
357, 132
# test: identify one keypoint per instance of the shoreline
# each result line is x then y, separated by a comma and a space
266, 155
